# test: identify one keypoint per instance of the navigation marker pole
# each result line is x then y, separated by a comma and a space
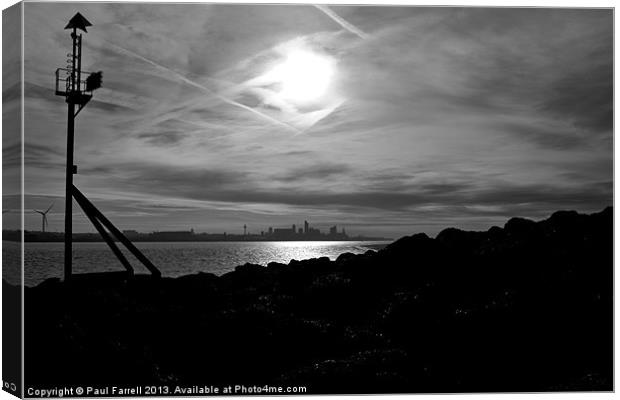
78, 93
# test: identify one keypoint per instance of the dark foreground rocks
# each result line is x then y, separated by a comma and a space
527, 307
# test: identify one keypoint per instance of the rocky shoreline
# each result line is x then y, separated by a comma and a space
527, 307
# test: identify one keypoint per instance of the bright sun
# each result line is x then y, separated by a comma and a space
304, 76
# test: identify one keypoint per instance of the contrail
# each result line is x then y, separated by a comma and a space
190, 82
345, 24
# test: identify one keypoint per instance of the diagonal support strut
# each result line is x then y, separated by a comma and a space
98, 219
106, 236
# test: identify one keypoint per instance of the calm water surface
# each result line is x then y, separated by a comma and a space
45, 260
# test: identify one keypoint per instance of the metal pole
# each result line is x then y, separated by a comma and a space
68, 196
69, 172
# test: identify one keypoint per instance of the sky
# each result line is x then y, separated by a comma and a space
384, 120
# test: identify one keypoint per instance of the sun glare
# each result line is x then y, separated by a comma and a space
304, 76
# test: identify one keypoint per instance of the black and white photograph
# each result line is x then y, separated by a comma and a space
215, 199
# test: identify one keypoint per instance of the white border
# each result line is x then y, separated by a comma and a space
479, 3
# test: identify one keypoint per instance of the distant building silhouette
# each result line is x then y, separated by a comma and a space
284, 233
172, 235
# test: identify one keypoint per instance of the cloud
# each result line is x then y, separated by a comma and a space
163, 138
584, 97
190, 82
557, 136
179, 179
342, 22
397, 193
12, 93
322, 171
34, 155
435, 116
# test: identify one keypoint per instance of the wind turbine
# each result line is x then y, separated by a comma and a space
44, 217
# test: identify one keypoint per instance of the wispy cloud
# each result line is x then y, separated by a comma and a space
195, 84
342, 22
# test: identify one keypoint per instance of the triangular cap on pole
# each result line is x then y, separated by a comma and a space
78, 21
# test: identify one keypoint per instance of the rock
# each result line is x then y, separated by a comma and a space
276, 266
407, 244
520, 226
344, 258
524, 308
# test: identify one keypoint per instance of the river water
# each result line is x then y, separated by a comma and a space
45, 260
